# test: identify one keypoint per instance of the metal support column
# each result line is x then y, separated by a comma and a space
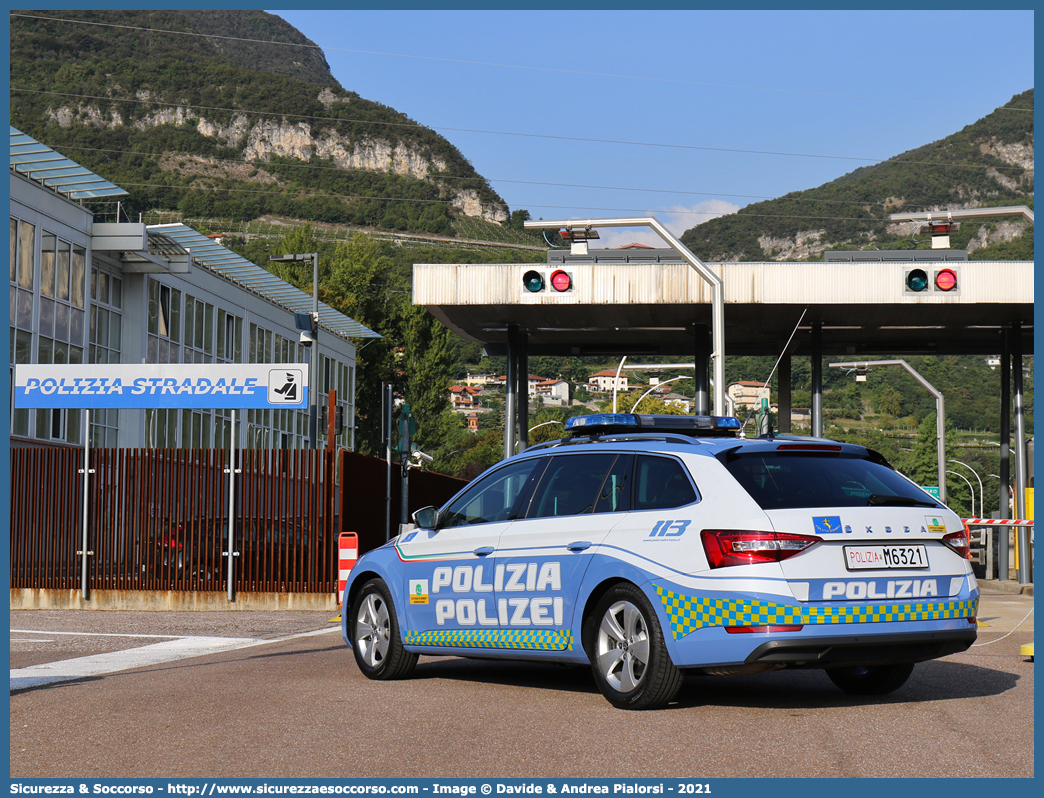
783, 394
387, 398
701, 380
1022, 533
1003, 560
510, 403
523, 391
817, 379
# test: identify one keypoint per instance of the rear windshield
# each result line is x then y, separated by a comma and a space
789, 480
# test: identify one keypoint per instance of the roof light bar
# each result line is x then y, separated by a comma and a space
635, 422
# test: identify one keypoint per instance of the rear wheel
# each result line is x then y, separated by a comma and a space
629, 658
871, 679
376, 641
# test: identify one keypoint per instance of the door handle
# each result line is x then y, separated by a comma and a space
483, 551
579, 545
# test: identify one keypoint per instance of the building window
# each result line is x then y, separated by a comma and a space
198, 343
53, 286
164, 324
22, 240
104, 345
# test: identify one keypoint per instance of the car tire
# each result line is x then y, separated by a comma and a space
871, 679
376, 641
629, 657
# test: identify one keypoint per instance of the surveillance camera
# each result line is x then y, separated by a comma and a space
306, 338
427, 458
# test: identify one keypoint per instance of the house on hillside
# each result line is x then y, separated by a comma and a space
533, 381
748, 394
464, 398
603, 381
553, 392
480, 380
88, 292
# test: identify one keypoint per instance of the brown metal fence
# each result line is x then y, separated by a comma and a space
158, 519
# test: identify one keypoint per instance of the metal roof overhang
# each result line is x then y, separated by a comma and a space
252, 277
63, 175
653, 309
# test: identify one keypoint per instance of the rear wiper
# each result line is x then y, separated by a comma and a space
897, 501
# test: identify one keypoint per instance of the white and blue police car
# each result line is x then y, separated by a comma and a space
647, 546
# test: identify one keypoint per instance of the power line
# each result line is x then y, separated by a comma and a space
520, 66
305, 195
416, 126
281, 165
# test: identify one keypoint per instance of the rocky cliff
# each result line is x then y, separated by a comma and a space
988, 163
196, 130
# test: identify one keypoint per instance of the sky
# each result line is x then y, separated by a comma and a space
684, 115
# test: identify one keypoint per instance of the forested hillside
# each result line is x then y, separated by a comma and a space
988, 163
215, 126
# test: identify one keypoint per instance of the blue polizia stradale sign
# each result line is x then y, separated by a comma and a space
227, 386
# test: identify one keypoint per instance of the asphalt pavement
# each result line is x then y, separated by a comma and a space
290, 702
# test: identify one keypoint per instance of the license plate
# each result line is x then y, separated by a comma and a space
863, 558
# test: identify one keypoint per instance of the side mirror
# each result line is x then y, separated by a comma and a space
426, 518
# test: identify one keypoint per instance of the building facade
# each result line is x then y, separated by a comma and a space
88, 292
603, 381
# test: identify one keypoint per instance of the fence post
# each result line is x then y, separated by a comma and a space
84, 553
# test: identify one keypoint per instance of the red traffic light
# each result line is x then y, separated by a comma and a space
946, 279
561, 281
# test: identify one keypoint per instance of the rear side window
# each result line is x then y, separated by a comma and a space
661, 483
784, 480
572, 485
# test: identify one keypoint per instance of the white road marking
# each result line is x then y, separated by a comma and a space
91, 634
142, 656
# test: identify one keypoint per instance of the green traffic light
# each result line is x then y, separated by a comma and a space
916, 280
533, 281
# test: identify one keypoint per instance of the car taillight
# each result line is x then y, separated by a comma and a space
726, 547
958, 541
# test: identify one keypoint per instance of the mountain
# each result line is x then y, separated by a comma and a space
987, 164
231, 114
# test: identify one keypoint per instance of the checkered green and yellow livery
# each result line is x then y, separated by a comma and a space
689, 613
539, 640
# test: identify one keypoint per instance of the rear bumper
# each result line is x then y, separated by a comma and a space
848, 650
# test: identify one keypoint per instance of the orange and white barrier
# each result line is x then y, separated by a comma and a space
997, 522
347, 554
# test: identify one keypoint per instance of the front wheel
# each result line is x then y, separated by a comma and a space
871, 679
375, 634
629, 658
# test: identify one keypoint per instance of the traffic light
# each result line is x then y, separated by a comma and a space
940, 232
547, 280
931, 280
938, 228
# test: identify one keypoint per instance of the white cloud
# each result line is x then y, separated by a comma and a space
677, 219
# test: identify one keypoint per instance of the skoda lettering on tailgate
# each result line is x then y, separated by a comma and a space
647, 546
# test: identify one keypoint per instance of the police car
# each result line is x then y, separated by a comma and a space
647, 546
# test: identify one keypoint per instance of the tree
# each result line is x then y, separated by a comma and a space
428, 361
359, 283
922, 463
518, 219
889, 401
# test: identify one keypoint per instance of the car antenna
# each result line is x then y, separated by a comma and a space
782, 353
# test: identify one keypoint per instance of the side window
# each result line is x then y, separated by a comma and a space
571, 485
615, 495
495, 497
661, 483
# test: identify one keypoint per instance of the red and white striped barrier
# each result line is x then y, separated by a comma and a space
347, 554
997, 522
